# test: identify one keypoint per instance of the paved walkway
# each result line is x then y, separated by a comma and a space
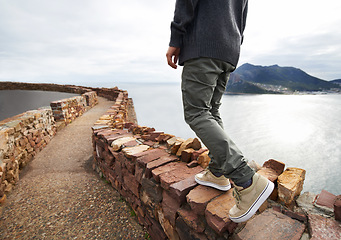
59, 196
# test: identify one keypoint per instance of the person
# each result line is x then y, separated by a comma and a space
206, 37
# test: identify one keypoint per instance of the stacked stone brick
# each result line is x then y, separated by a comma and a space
21, 138
69, 109
24, 135
91, 98
155, 171
109, 93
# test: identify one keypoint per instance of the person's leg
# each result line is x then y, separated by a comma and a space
217, 95
202, 84
216, 103
201, 99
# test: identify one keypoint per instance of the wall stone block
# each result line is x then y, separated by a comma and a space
130, 182
191, 219
159, 184
168, 228
325, 199
155, 230
269, 174
162, 138
180, 173
200, 196
131, 151
217, 211
158, 162
323, 228
277, 166
170, 207
290, 184
204, 159
186, 155
189, 143
180, 189
272, 225
152, 189
117, 143
163, 169
143, 158
337, 208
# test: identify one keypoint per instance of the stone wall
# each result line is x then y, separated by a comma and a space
24, 135
21, 138
154, 172
43, 87
67, 110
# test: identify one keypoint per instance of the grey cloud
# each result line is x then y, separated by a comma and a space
122, 40
319, 54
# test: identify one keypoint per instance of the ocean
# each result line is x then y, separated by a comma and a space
300, 130
13, 102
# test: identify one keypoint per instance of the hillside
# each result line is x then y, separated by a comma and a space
337, 81
249, 78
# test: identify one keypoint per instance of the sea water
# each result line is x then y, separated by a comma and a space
13, 102
300, 130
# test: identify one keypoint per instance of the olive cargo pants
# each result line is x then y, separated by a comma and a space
203, 84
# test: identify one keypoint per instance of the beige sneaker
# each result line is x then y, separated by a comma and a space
207, 178
249, 200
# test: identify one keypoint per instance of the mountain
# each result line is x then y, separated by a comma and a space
249, 78
337, 81
237, 85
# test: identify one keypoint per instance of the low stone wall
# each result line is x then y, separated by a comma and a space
21, 138
154, 172
90, 98
24, 135
44, 87
67, 110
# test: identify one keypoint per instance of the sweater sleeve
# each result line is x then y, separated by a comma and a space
244, 19
183, 15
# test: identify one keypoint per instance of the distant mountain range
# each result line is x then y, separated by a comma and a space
249, 78
337, 81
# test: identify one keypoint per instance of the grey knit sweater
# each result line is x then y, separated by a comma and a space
209, 28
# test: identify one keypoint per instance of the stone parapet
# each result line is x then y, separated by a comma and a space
154, 172
21, 138
67, 110
24, 135
91, 98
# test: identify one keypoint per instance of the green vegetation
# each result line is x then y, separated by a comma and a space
146, 236
132, 213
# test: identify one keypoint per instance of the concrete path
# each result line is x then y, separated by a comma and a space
59, 196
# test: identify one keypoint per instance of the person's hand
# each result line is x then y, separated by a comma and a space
172, 56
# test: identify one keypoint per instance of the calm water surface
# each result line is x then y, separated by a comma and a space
13, 102
300, 130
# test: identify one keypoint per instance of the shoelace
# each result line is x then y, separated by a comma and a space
206, 171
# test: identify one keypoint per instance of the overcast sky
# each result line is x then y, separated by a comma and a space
91, 42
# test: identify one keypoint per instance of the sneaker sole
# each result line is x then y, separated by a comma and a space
256, 205
210, 184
